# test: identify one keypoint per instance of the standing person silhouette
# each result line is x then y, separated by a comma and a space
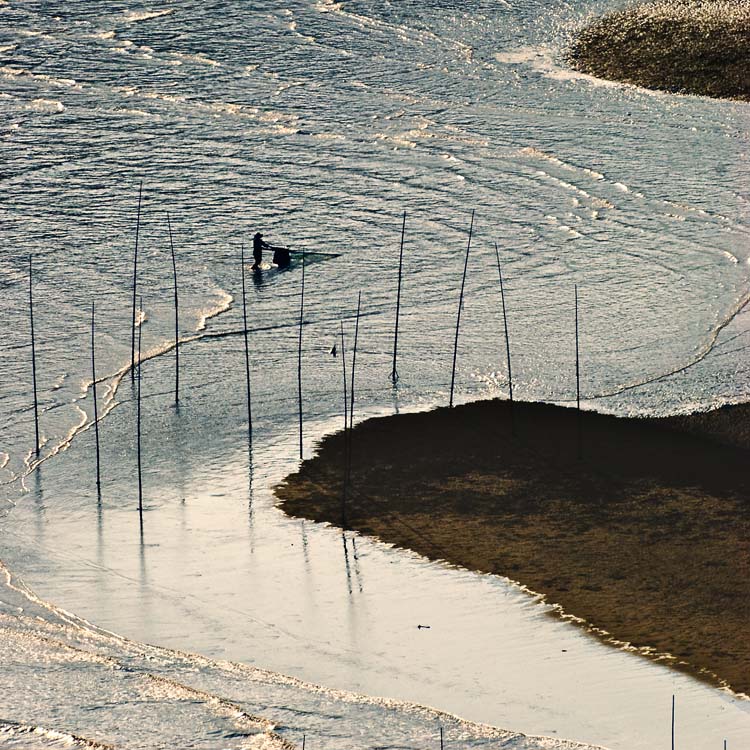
258, 246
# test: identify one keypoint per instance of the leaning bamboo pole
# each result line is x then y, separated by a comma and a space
96, 408
578, 361
247, 349
176, 320
505, 326
138, 424
343, 370
299, 353
351, 391
33, 363
460, 305
135, 283
394, 372
579, 429
507, 342
346, 431
354, 360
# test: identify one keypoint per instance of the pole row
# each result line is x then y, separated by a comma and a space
349, 397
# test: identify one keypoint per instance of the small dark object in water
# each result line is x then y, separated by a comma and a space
281, 257
423, 627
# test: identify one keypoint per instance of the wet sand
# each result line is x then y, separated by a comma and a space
686, 46
640, 528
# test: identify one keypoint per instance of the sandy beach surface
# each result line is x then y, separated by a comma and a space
682, 46
639, 527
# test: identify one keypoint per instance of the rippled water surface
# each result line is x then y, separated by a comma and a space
320, 123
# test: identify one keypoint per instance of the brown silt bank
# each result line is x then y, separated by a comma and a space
641, 528
685, 46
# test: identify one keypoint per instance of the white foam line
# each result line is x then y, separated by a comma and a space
9, 729
109, 399
133, 16
213, 312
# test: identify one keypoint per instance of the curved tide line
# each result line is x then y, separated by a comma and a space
109, 401
214, 312
256, 674
701, 354
557, 610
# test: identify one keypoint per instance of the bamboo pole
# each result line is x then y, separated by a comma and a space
343, 369
96, 409
135, 282
578, 366
346, 432
578, 384
33, 362
299, 352
441, 738
176, 320
247, 349
394, 372
351, 395
507, 341
672, 722
460, 305
354, 360
138, 425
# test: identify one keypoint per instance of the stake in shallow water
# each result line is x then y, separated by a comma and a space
346, 431
299, 352
135, 283
578, 366
343, 369
354, 360
578, 383
507, 342
460, 305
394, 373
176, 320
351, 394
96, 412
247, 348
673, 722
33, 363
138, 425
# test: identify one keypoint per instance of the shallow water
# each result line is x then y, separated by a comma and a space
320, 123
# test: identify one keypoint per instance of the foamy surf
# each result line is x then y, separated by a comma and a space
46, 106
26, 736
224, 303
